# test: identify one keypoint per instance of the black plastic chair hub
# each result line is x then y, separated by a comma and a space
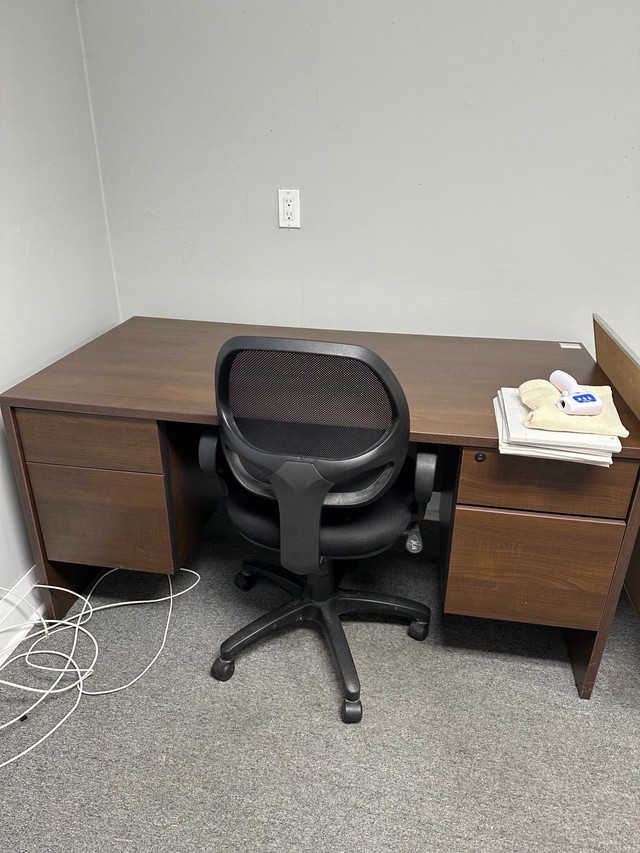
317, 601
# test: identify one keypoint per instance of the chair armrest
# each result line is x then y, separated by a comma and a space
208, 452
425, 476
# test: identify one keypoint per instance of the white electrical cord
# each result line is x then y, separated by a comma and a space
75, 624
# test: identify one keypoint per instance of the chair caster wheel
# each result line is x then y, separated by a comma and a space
351, 712
244, 580
222, 670
418, 630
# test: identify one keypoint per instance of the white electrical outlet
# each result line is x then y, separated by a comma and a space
289, 208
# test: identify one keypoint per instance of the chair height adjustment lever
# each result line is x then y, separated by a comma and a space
414, 539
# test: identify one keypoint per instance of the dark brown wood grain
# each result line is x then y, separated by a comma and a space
620, 364
26, 501
103, 518
449, 460
163, 370
518, 482
527, 566
90, 441
632, 580
531, 567
192, 495
585, 647
56, 601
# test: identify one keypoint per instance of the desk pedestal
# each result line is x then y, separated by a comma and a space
106, 492
539, 541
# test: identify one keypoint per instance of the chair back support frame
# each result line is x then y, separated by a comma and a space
302, 484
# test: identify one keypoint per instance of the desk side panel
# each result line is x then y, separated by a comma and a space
632, 580
192, 495
622, 366
448, 474
619, 362
587, 647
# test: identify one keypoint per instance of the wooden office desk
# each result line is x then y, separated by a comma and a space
103, 445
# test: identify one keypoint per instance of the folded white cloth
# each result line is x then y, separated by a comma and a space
541, 397
542, 452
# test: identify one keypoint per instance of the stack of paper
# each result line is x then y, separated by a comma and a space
518, 440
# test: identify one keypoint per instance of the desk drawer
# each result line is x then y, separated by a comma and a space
530, 567
90, 441
544, 485
103, 518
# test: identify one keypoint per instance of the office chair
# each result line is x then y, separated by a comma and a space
313, 444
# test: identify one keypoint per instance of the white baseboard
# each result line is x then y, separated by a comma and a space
14, 612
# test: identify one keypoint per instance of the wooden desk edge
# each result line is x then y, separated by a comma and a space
203, 420
57, 391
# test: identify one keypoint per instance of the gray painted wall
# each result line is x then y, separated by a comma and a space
56, 287
465, 167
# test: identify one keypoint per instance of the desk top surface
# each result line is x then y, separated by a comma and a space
164, 370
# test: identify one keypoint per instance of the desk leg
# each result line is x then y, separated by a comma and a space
587, 647
58, 574
632, 581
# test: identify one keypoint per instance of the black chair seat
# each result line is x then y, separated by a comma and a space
345, 532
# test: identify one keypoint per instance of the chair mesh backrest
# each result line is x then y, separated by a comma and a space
308, 404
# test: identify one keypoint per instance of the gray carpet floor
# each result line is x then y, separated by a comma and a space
474, 740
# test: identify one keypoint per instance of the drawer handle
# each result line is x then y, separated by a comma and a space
480, 457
